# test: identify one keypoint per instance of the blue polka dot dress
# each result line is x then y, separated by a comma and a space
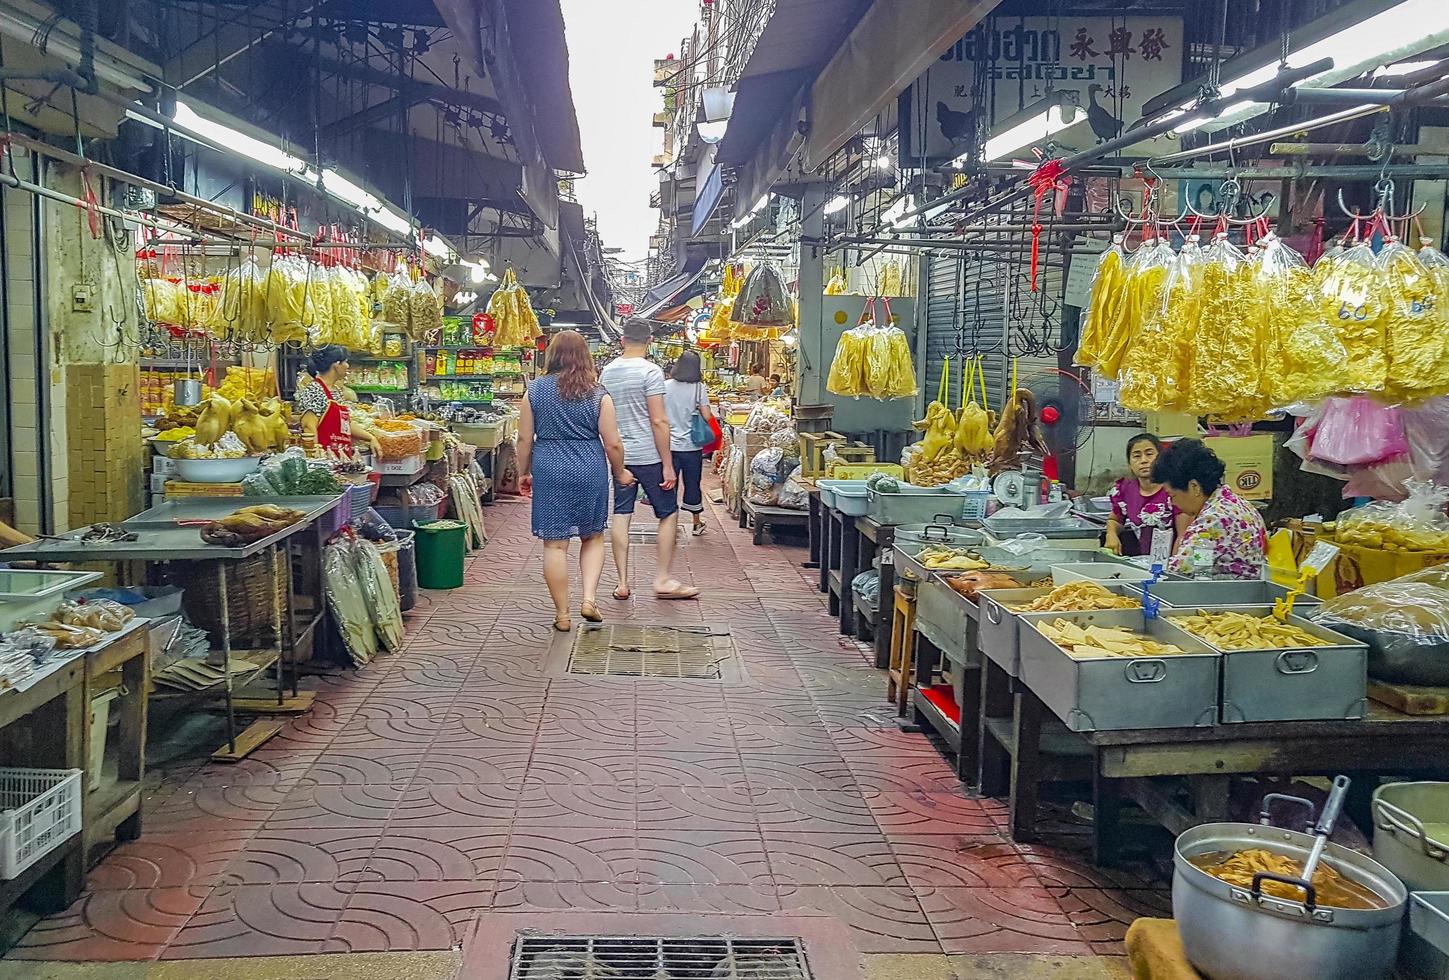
570, 470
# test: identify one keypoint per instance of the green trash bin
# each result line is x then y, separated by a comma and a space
441, 546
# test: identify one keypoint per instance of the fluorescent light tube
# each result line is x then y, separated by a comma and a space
239, 142
1037, 129
435, 247
838, 203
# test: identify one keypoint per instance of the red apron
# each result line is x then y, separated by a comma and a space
334, 429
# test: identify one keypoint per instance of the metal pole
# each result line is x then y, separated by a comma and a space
1269, 135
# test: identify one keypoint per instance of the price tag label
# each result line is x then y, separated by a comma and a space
1321, 556
1161, 547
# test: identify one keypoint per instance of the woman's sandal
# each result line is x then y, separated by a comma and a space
590, 612
563, 625
626, 596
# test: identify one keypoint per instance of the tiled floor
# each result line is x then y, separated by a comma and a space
452, 790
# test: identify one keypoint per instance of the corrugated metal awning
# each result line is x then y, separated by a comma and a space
799, 37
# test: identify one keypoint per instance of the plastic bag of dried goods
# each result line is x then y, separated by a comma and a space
1352, 301
847, 367
1416, 523
1305, 357
1358, 431
1105, 303
1404, 621
1417, 328
1146, 371
244, 301
889, 372
1226, 372
348, 601
1144, 277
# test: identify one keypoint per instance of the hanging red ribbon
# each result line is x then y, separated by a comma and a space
1050, 176
88, 194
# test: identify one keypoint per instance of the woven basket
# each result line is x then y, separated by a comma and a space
252, 591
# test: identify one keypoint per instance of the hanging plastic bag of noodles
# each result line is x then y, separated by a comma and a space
344, 307
394, 300
1436, 263
847, 368
1352, 300
889, 371
1305, 358
161, 300
1149, 370
1418, 325
1226, 379
244, 301
1144, 277
1105, 302
284, 304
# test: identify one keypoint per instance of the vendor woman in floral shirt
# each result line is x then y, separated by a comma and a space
1226, 538
1143, 520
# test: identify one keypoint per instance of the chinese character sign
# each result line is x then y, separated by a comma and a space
1106, 66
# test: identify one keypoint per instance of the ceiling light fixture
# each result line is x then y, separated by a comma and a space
837, 203
1031, 127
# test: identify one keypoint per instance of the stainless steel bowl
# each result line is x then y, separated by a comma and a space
1234, 933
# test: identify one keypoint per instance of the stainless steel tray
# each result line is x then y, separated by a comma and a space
1071, 526
1120, 693
215, 508
1000, 636
1296, 684
1193, 595
1425, 950
947, 619
914, 506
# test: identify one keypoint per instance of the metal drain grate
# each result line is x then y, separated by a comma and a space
649, 651
657, 958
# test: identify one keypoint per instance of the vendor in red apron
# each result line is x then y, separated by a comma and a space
326, 424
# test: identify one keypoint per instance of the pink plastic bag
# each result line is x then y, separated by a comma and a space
1358, 431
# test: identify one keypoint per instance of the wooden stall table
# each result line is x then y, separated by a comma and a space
813, 522
877, 540
760, 517
829, 545
47, 726
1125, 764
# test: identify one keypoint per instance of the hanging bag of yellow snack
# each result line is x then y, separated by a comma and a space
1146, 271
1417, 331
848, 368
1305, 357
1353, 302
1105, 299
1145, 363
1225, 377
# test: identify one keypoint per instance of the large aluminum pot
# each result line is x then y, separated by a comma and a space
1411, 833
1233, 933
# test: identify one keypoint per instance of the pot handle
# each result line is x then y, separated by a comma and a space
1395, 820
945, 532
1310, 896
1266, 813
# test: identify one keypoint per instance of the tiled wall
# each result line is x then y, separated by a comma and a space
26, 444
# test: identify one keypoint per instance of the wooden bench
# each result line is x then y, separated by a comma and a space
761, 517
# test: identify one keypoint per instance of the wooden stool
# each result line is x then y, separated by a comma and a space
903, 648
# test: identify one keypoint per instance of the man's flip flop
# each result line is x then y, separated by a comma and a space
687, 592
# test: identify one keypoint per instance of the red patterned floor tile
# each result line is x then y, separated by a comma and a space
229, 810
824, 770
485, 806
1103, 915
446, 764
294, 856
576, 805
555, 766
319, 807
879, 919
768, 739
912, 772
706, 736
961, 861
1001, 920
261, 920
564, 854
721, 769
832, 859
696, 808
617, 734
710, 900
161, 860
567, 896
365, 766
932, 813
813, 811
408, 916
438, 854
389, 733
388, 704
113, 925
703, 857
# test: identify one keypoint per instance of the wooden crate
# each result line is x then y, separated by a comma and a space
812, 451
176, 488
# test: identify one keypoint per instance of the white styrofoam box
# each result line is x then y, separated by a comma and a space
163, 464
406, 466
1103, 572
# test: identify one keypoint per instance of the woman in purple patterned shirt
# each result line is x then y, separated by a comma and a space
1141, 508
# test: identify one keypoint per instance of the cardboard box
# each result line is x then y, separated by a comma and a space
1249, 460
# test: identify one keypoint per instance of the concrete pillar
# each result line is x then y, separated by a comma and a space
813, 362
93, 364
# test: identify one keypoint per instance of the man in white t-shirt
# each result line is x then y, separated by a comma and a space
636, 386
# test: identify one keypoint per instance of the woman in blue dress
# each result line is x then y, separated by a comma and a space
568, 440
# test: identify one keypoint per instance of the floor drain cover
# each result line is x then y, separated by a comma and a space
651, 958
651, 651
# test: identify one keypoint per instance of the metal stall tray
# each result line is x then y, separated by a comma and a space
1425, 950
913, 505
1000, 636
850, 501
1194, 595
1069, 526
911, 539
947, 619
1294, 684
1118, 693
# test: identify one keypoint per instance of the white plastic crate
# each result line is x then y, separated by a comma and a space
40, 809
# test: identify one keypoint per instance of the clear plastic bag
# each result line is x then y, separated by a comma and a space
1417, 332
1358, 431
382, 600
1352, 301
244, 302
792, 494
1306, 357
1405, 623
889, 371
1226, 372
348, 601
1104, 305
1142, 282
1416, 523
1145, 359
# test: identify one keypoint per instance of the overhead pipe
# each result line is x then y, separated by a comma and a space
1267, 136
